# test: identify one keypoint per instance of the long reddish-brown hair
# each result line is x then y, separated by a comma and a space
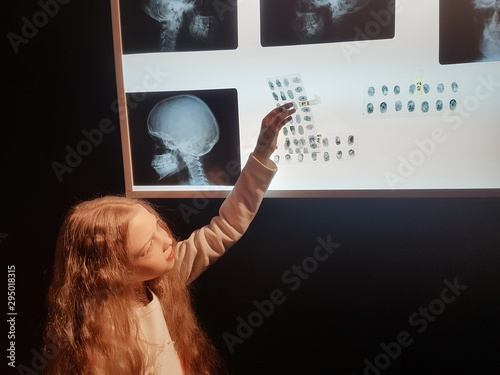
93, 294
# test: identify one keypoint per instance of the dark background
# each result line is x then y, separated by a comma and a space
394, 256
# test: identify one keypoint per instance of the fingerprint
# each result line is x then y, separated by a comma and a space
385, 90
427, 88
425, 107
440, 88
453, 104
454, 87
290, 94
439, 105
326, 156
398, 106
383, 107
271, 85
276, 159
397, 90
412, 89
339, 154
278, 83
369, 108
312, 141
411, 106
371, 91
350, 140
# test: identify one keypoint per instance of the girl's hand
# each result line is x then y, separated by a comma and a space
269, 130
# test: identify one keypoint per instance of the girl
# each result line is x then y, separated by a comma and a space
119, 303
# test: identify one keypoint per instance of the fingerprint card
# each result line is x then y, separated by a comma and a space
411, 98
301, 141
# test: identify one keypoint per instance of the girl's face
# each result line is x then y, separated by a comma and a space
150, 246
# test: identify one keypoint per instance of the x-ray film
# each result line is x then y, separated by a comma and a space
297, 22
469, 31
177, 25
410, 98
185, 138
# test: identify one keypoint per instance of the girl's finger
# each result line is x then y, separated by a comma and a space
279, 114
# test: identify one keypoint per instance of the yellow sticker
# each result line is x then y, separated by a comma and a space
420, 86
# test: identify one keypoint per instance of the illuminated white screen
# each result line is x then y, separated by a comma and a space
407, 93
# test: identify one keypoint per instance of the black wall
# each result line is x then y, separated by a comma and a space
395, 256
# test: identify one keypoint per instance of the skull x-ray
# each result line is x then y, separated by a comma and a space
290, 22
469, 31
184, 129
177, 25
186, 138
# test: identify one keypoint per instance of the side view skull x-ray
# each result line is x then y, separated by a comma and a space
173, 15
184, 129
490, 42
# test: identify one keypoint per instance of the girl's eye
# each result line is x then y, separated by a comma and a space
149, 249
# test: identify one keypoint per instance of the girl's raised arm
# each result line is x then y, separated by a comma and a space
207, 244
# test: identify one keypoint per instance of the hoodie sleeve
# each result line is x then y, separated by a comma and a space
205, 245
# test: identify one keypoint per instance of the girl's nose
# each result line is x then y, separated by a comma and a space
167, 242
